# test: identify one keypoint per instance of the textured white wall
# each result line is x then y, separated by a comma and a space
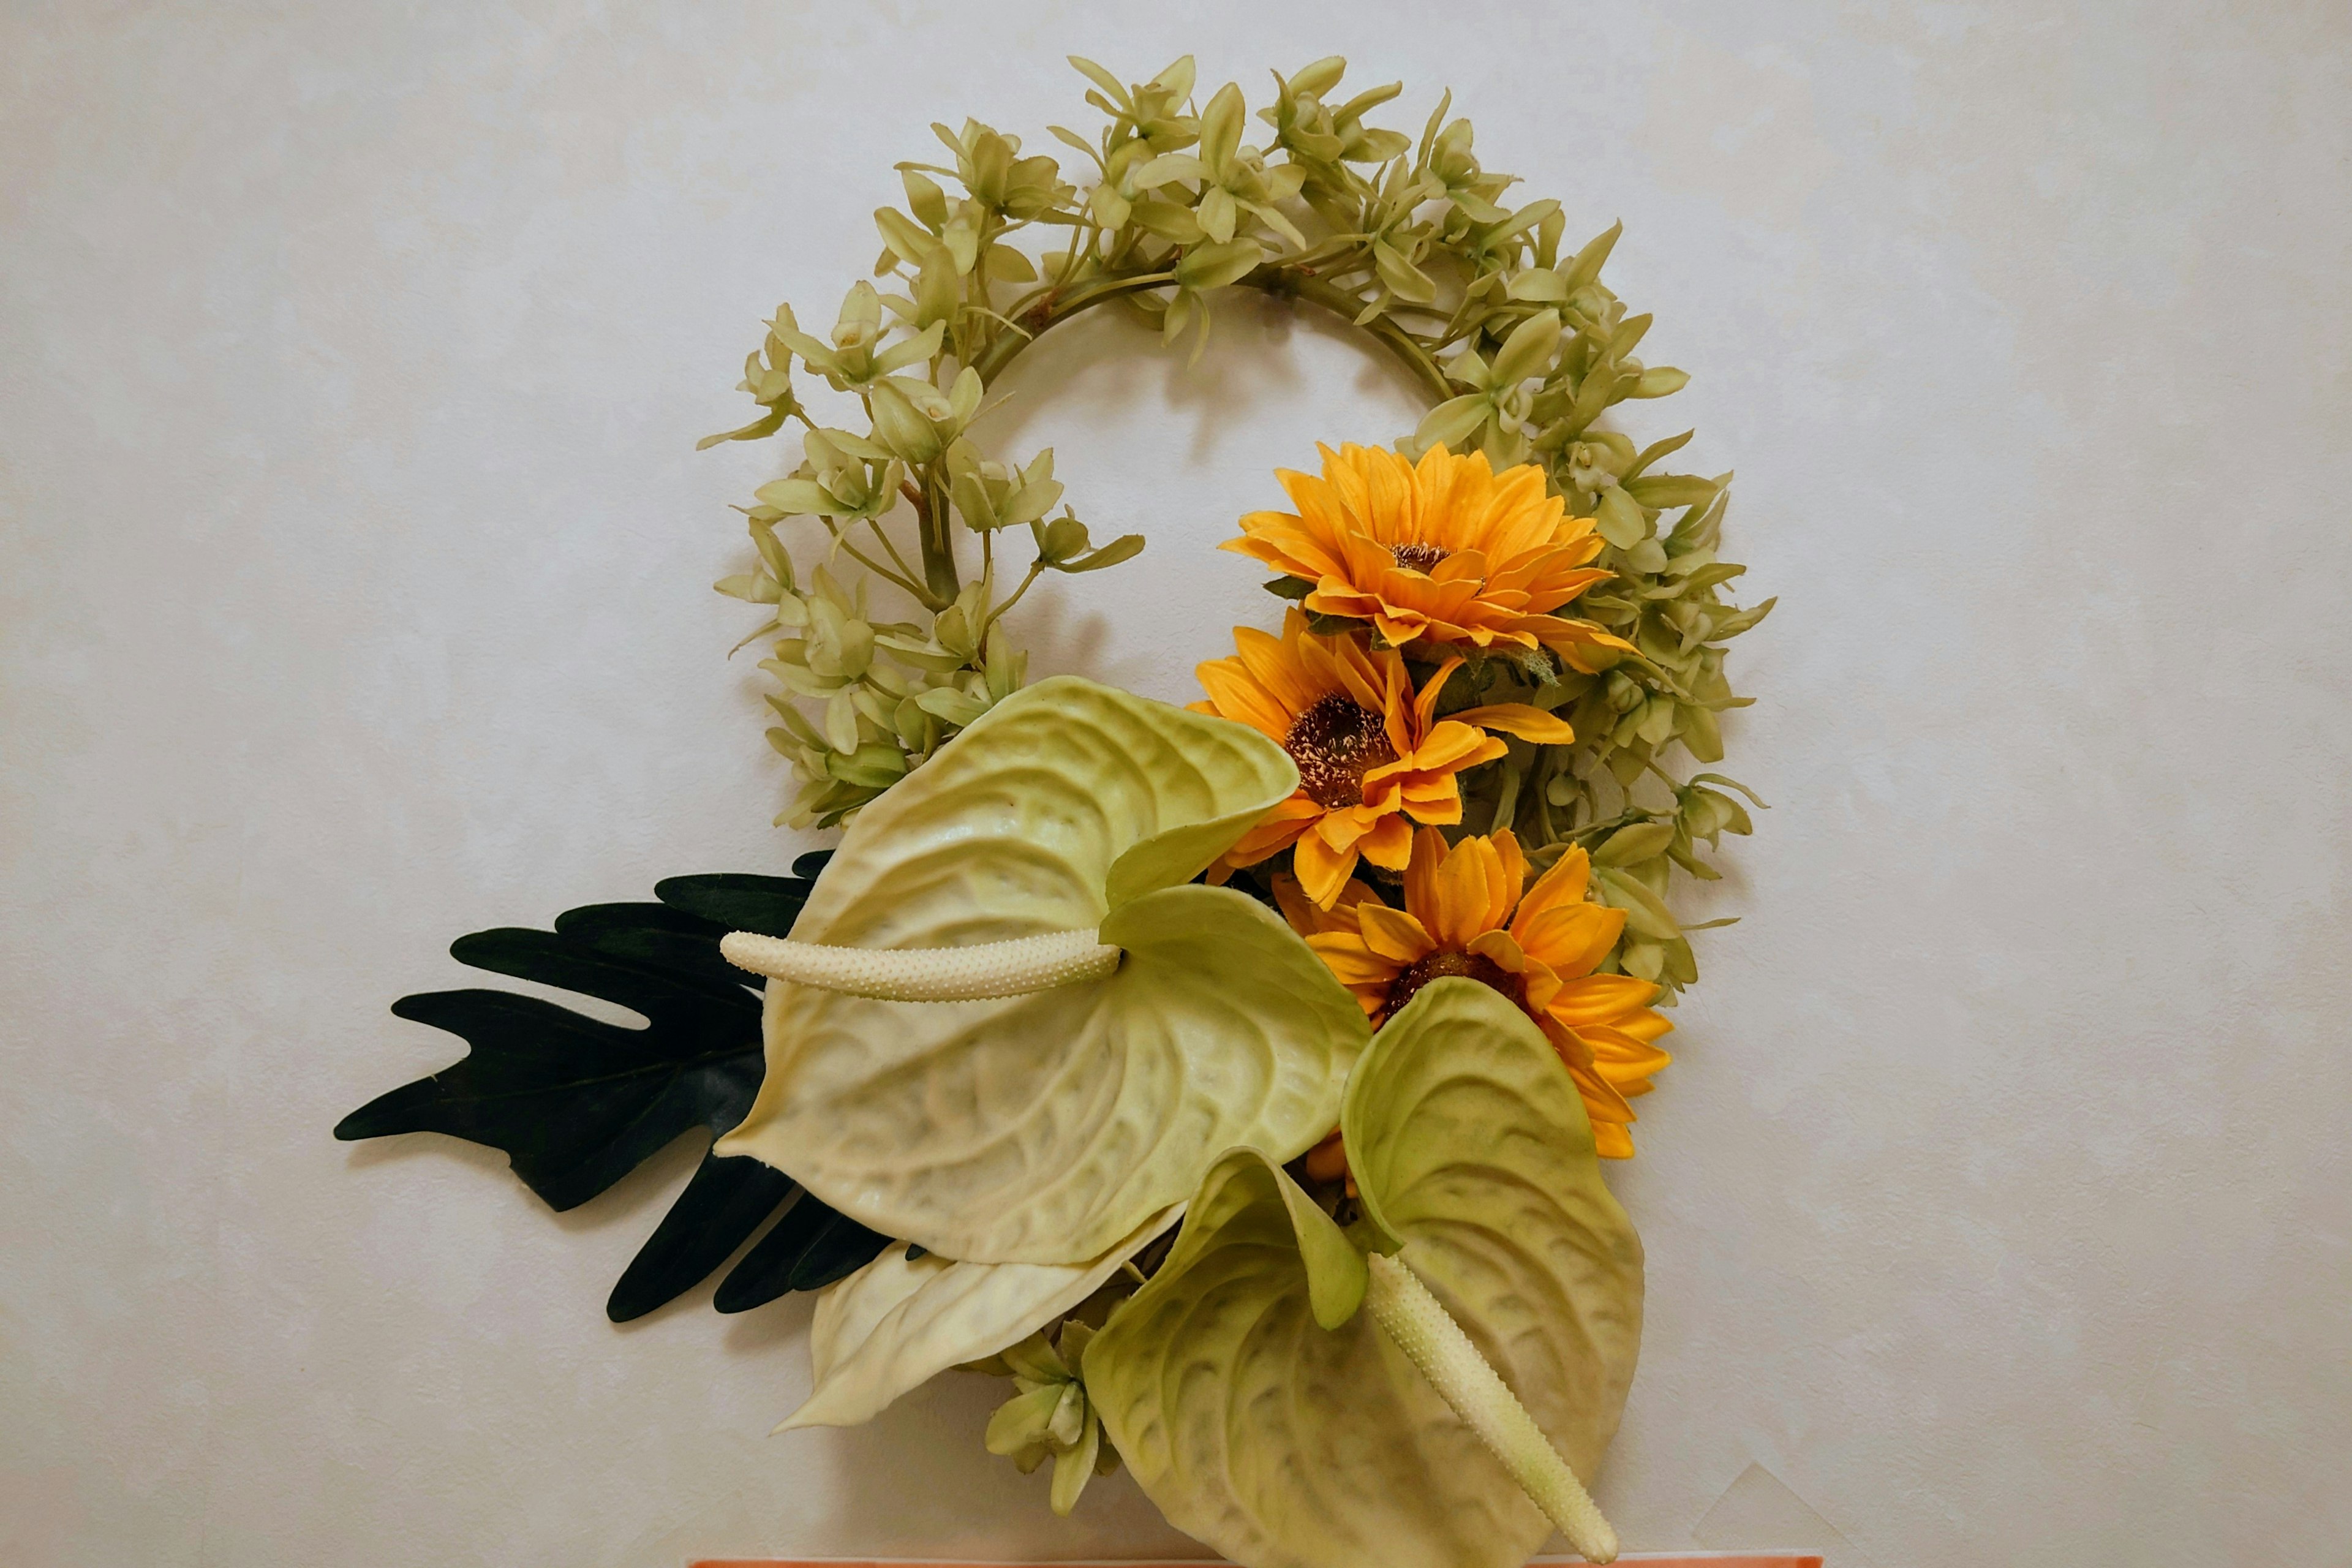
355, 594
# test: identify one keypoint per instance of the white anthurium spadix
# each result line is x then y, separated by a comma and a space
1009, 1028
908, 1316
1445, 1423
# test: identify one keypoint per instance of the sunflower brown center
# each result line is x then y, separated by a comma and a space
1469, 965
1419, 557
1335, 744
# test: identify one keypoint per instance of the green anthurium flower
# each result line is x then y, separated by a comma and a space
1012, 1032
908, 1316
1502, 1287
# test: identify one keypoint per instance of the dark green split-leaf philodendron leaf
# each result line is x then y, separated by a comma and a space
577, 1103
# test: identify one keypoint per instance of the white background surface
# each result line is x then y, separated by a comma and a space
355, 596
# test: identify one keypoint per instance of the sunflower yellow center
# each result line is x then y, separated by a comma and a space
1419, 557
1468, 966
1335, 744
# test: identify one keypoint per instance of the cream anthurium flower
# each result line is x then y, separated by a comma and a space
1009, 1030
1445, 1423
908, 1316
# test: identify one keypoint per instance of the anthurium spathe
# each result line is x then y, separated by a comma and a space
909, 1315
1501, 1293
1007, 1030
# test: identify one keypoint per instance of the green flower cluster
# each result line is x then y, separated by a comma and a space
1520, 345
1610, 791
889, 692
1050, 1416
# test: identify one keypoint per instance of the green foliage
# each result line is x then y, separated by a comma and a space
577, 1103
1522, 349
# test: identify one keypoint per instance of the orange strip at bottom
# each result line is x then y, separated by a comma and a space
1648, 1560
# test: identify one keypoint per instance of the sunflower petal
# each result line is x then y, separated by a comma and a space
1323, 870
1274, 664
1563, 884
1520, 719
1602, 999
1393, 935
1451, 747
1472, 896
1571, 938
1351, 961
1242, 700
1621, 1059
1497, 948
1389, 845
1275, 831
1608, 1110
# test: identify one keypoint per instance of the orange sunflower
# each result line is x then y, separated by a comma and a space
1456, 903
1370, 750
1442, 552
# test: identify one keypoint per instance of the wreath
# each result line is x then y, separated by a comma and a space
1232, 1079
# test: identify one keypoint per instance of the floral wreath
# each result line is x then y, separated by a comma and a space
1233, 1079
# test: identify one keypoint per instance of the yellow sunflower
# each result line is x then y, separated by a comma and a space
1443, 552
1457, 902
1370, 750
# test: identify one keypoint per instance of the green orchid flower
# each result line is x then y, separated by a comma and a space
1150, 115
989, 164
1452, 170
1422, 1388
1307, 128
768, 377
1501, 401
1092, 1029
1235, 182
1051, 1417
844, 476
992, 495
916, 420
855, 356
